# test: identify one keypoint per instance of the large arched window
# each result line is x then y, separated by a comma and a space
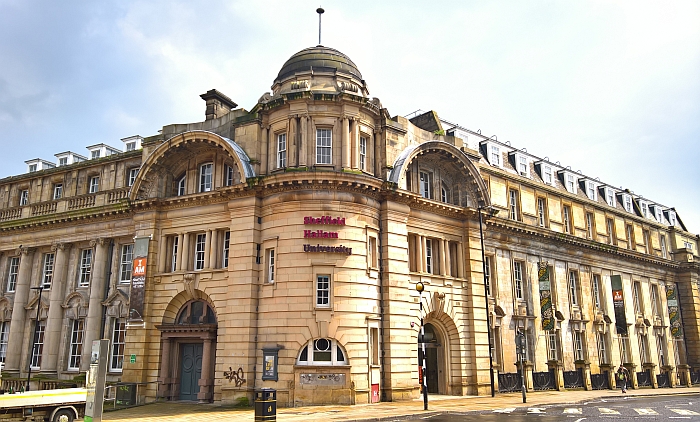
196, 312
322, 351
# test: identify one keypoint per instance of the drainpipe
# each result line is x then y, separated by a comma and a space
381, 310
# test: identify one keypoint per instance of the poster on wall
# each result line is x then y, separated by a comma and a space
270, 364
673, 314
618, 305
545, 296
138, 280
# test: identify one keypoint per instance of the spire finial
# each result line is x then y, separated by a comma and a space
320, 12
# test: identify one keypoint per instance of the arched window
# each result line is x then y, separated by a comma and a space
322, 351
181, 184
196, 312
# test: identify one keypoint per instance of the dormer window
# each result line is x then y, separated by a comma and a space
656, 211
569, 180
32, 168
610, 197
591, 191
63, 161
131, 146
671, 217
547, 174
627, 202
495, 155
645, 208
95, 155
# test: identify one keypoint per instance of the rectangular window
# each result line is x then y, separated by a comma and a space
597, 300
591, 191
323, 291
118, 341
552, 345
47, 275
513, 200
57, 191
630, 237
578, 346
522, 165
130, 146
126, 263
636, 297
671, 218
374, 345
602, 348
426, 181
281, 150
271, 265
487, 274
687, 245
200, 246
654, 299
589, 225
132, 176
38, 349
573, 287
547, 174
76, 344
63, 161
228, 175
570, 183
625, 349
643, 206
643, 348
182, 186
12, 274
23, 197
173, 255
4, 337
94, 184
32, 168
429, 256
443, 194
628, 203
518, 279
567, 219
662, 241
495, 156
541, 212
610, 197
611, 231
95, 154
205, 177
227, 245
363, 153
645, 235
323, 146
372, 252
85, 267
661, 350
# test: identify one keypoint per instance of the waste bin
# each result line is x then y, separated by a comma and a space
266, 404
126, 395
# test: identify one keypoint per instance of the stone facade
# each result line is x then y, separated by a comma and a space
285, 243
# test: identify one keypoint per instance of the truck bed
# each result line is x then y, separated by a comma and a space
43, 398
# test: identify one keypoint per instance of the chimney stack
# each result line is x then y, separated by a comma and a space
217, 104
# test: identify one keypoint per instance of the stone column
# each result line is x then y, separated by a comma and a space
162, 254
180, 247
460, 261
14, 344
354, 153
302, 141
207, 248
52, 339
205, 381
97, 293
165, 380
345, 141
448, 259
376, 157
443, 257
214, 249
185, 253
265, 150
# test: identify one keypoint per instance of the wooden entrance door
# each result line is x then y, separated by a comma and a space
190, 370
431, 363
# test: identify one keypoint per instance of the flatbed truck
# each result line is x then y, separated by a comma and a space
61, 405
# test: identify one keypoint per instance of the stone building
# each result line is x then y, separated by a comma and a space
281, 247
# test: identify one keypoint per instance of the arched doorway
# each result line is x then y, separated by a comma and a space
189, 345
434, 360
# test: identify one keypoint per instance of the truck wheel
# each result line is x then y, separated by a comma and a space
63, 415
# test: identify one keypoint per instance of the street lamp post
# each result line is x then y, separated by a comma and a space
486, 300
36, 327
520, 340
421, 340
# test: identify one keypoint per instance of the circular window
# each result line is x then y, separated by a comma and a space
322, 345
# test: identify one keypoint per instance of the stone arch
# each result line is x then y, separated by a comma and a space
452, 350
475, 182
171, 311
144, 180
76, 305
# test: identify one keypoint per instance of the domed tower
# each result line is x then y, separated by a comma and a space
319, 115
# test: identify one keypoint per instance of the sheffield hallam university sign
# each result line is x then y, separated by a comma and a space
618, 305
138, 280
545, 296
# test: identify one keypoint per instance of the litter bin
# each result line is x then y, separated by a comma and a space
266, 405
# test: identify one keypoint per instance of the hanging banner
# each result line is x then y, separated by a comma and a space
138, 280
618, 305
545, 296
673, 314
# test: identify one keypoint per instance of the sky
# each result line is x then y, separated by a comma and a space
611, 88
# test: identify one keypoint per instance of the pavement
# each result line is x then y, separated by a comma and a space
385, 411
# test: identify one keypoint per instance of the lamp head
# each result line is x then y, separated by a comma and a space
420, 287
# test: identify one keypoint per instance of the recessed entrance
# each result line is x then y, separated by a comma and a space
190, 370
433, 360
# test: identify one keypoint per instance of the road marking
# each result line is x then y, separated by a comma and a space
573, 411
684, 412
646, 411
535, 410
579, 419
506, 410
606, 411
